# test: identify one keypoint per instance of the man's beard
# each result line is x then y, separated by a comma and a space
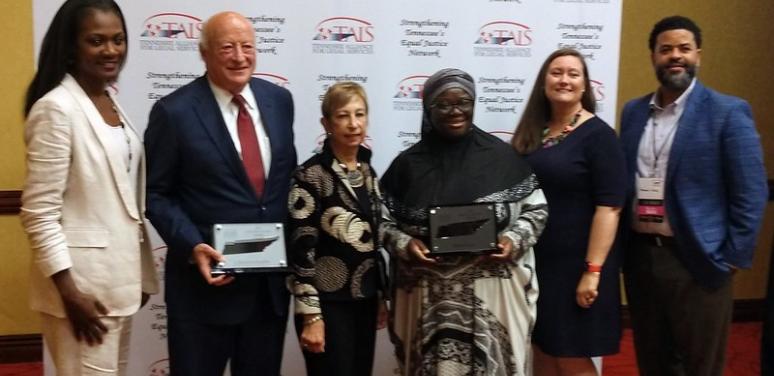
676, 82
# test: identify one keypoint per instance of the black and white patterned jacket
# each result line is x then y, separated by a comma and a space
333, 241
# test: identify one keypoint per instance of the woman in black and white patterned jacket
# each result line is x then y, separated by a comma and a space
336, 229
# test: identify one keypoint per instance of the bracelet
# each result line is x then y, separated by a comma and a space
313, 320
594, 268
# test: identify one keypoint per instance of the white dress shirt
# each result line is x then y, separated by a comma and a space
653, 152
230, 111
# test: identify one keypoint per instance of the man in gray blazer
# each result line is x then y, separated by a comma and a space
697, 192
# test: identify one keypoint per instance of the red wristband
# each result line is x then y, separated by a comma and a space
593, 267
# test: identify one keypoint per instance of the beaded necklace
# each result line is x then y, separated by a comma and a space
551, 141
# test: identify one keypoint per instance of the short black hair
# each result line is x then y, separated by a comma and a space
674, 23
59, 48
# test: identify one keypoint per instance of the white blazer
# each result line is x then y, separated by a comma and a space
78, 208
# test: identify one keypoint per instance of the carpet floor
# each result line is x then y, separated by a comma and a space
743, 356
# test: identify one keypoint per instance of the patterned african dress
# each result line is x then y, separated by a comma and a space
462, 316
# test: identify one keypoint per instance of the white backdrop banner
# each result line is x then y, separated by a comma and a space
390, 47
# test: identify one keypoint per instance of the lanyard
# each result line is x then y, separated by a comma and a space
657, 152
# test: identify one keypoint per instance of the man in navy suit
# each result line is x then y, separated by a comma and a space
698, 190
220, 150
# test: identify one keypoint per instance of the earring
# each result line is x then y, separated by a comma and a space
328, 133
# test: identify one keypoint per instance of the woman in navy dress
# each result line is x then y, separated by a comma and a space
579, 164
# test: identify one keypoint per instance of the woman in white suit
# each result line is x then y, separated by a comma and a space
83, 199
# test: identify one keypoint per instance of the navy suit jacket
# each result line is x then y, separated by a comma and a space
196, 179
716, 186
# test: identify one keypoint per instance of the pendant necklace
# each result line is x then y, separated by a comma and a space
354, 177
126, 135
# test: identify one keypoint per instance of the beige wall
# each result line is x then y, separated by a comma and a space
736, 59
15, 74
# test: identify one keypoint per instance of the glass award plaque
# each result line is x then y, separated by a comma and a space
463, 229
249, 247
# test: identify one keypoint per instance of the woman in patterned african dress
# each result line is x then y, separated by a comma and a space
463, 314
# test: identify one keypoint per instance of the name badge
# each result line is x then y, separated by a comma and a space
650, 200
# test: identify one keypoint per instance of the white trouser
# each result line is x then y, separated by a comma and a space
76, 358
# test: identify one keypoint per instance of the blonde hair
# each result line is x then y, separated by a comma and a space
339, 94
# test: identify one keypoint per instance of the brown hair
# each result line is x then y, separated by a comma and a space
339, 94
529, 131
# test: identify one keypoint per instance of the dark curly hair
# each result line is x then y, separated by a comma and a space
674, 23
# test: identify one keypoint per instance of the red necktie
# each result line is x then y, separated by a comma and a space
251, 150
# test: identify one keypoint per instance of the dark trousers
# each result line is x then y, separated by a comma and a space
680, 327
254, 347
350, 338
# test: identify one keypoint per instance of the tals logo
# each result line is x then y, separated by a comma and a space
409, 93
172, 25
598, 88
505, 33
159, 368
344, 29
411, 87
159, 259
273, 78
319, 140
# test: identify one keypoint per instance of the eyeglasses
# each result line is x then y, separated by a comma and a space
464, 105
